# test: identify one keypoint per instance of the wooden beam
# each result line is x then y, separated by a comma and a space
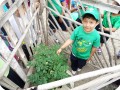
77, 78
94, 83
101, 5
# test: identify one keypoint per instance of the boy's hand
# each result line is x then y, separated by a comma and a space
59, 51
88, 59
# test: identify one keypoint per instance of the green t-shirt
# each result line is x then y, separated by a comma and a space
57, 6
115, 21
1, 66
74, 15
83, 42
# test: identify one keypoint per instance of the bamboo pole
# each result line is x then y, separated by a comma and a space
82, 6
18, 23
94, 83
56, 29
92, 62
97, 58
110, 36
39, 30
97, 62
63, 16
60, 17
101, 62
16, 29
94, 65
47, 27
30, 71
51, 85
101, 5
107, 35
106, 45
107, 83
9, 13
44, 30
24, 20
52, 39
68, 12
61, 33
56, 39
14, 64
112, 41
105, 60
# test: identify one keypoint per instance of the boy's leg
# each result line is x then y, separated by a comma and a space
74, 62
101, 36
52, 20
62, 25
81, 63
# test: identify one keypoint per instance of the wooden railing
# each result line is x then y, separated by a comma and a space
36, 22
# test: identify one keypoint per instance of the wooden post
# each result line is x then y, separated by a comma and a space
112, 41
108, 50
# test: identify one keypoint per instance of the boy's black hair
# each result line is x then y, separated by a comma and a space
87, 15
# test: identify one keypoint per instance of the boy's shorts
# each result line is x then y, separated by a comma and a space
63, 27
77, 62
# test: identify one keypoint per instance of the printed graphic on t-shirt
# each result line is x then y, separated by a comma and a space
82, 45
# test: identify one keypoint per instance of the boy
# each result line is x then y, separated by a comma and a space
115, 22
76, 16
84, 39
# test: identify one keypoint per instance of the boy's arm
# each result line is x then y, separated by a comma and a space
63, 3
67, 43
107, 29
92, 53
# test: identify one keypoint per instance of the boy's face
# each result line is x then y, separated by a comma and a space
89, 24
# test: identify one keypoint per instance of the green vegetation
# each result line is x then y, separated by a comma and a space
48, 66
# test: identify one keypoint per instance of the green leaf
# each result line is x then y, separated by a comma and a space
48, 66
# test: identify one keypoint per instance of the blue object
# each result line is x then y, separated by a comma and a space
62, 0
73, 3
5, 8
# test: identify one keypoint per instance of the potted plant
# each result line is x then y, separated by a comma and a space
48, 66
